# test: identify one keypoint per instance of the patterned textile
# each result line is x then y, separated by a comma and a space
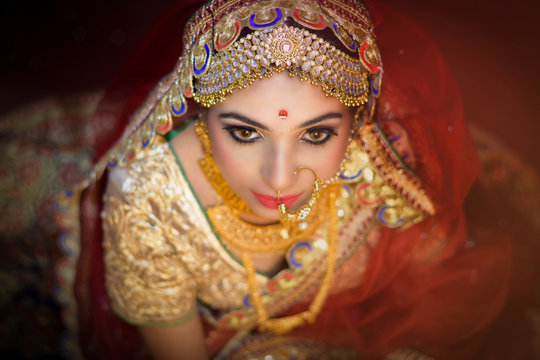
45, 150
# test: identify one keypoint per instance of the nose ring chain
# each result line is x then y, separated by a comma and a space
304, 211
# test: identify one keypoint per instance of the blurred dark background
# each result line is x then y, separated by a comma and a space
61, 47
58, 48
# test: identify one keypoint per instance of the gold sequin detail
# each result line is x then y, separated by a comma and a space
408, 200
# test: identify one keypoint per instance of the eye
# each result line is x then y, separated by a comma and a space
318, 135
243, 134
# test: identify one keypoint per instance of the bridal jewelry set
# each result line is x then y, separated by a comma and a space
331, 45
372, 173
252, 239
349, 70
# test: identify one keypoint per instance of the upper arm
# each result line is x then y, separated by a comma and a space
185, 341
146, 279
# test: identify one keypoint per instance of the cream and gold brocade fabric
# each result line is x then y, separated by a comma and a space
162, 254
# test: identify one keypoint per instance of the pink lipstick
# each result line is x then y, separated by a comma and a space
272, 201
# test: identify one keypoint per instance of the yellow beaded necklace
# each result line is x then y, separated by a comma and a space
263, 239
260, 239
286, 324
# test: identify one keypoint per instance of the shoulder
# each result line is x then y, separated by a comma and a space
140, 199
169, 164
152, 168
147, 206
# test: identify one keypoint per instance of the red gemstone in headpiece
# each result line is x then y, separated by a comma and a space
283, 114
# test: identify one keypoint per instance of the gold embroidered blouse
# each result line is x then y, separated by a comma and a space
163, 254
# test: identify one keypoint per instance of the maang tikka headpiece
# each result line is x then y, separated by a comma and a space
229, 44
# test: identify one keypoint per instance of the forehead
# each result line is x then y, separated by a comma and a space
264, 99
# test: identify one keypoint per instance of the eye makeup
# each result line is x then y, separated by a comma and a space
318, 135
243, 134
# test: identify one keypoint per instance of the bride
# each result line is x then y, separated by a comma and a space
301, 209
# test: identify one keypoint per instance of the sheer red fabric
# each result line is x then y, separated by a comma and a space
435, 287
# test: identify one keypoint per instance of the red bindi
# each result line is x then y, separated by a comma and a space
283, 114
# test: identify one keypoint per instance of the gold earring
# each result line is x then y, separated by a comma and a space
358, 121
304, 211
212, 173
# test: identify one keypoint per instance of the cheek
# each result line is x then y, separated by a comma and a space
329, 159
333, 159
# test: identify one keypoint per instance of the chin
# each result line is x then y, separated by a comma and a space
261, 216
267, 213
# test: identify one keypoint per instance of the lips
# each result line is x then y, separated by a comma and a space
271, 201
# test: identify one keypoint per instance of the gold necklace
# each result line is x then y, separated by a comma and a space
251, 239
243, 236
286, 324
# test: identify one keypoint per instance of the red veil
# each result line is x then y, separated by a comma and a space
439, 287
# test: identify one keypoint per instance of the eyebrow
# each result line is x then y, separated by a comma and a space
245, 119
318, 119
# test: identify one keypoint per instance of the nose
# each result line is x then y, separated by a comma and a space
278, 167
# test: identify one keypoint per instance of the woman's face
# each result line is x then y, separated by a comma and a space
258, 152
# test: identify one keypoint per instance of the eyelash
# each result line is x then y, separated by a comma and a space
329, 132
233, 130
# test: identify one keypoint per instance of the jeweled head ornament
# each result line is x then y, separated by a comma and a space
234, 43
229, 44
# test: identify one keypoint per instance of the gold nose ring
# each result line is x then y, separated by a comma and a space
304, 211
